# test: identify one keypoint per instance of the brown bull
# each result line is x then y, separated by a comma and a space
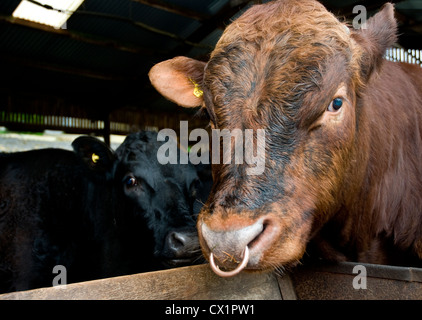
343, 143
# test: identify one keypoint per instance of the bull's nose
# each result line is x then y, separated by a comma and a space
228, 247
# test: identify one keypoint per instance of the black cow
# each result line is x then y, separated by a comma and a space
86, 211
168, 196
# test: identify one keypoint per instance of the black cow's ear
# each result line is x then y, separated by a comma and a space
374, 38
95, 153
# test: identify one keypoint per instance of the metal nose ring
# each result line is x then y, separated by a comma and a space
231, 273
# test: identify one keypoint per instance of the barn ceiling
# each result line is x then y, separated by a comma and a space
108, 46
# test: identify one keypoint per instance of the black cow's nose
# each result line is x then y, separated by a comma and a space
181, 244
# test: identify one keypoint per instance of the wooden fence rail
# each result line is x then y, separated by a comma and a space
313, 282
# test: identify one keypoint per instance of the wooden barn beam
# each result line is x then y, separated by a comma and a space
220, 20
169, 7
102, 41
79, 36
32, 63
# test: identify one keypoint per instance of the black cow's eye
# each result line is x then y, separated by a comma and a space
130, 181
335, 105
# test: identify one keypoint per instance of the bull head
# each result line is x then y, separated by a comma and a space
293, 69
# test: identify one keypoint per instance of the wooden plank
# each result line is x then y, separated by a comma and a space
193, 283
321, 281
287, 289
336, 282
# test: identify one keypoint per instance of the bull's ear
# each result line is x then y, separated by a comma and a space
95, 153
375, 37
179, 80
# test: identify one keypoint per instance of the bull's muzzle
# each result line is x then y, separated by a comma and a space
230, 251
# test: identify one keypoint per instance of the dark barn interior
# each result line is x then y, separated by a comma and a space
90, 75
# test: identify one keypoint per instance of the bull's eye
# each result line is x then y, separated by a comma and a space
130, 182
335, 105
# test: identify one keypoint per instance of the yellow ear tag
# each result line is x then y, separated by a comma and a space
95, 158
197, 91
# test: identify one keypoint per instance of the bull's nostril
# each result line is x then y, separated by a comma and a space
257, 238
265, 234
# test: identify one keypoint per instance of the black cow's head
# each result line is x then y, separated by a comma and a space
154, 205
164, 198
